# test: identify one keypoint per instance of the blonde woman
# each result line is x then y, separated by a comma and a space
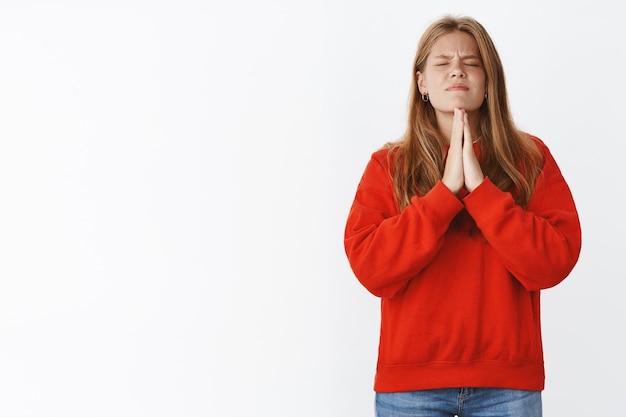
458, 227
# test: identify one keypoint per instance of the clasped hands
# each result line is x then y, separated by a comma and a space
462, 168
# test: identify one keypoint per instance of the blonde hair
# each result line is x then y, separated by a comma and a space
508, 156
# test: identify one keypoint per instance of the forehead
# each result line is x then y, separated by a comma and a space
455, 43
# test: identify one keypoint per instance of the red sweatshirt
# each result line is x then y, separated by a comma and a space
460, 309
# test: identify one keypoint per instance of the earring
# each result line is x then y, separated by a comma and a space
425, 98
486, 95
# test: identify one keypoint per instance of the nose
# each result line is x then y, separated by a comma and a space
458, 73
456, 70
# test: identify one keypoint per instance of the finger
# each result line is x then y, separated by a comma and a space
456, 137
467, 134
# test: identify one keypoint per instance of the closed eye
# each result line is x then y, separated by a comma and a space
473, 63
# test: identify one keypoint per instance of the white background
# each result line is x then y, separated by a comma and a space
175, 178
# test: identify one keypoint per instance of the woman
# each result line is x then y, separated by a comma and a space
457, 227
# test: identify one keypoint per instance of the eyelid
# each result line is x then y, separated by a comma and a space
466, 61
469, 64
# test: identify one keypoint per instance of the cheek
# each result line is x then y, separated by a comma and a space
480, 78
436, 81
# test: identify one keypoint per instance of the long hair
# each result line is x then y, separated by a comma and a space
507, 155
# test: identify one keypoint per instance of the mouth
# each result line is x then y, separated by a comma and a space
457, 87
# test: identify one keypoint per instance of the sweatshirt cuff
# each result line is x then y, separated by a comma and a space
441, 202
483, 200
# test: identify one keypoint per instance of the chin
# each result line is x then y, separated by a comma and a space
468, 107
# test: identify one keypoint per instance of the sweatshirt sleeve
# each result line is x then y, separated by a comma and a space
539, 245
386, 248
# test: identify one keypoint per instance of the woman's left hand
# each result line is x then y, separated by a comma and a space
472, 173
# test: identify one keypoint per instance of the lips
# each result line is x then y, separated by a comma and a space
457, 87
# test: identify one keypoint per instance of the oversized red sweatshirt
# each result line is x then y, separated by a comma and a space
460, 309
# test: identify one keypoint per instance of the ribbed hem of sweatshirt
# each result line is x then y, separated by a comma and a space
476, 374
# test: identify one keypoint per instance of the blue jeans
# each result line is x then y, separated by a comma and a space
463, 402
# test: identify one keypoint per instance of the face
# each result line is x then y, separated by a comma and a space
454, 75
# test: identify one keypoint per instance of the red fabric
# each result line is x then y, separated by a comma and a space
460, 309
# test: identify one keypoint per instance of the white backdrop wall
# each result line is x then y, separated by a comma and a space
175, 177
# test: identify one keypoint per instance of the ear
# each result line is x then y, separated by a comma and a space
421, 83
